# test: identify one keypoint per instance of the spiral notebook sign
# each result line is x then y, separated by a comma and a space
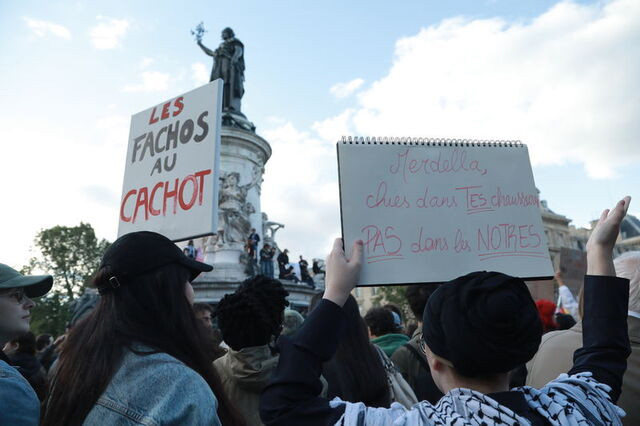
429, 210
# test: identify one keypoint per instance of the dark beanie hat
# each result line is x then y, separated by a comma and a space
483, 322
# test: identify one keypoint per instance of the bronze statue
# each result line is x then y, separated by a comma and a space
229, 66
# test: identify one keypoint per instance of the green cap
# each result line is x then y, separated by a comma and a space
35, 285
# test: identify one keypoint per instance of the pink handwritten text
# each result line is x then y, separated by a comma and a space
379, 246
429, 243
381, 199
451, 163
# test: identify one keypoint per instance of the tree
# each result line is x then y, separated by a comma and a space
51, 314
72, 256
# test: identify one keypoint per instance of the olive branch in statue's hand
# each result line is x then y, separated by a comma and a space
198, 32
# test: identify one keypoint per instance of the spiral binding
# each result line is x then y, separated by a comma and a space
395, 140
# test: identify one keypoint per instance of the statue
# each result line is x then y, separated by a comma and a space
269, 229
234, 210
228, 65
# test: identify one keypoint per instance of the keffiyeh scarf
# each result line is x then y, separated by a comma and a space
576, 400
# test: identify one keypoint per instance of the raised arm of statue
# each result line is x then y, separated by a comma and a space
206, 49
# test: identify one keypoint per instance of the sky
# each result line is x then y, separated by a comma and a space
561, 77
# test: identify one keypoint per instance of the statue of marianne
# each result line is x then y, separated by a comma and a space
229, 66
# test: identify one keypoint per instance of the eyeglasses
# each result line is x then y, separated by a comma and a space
423, 348
422, 344
18, 295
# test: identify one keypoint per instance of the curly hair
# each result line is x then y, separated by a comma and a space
380, 321
253, 313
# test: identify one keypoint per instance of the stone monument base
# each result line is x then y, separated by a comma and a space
211, 292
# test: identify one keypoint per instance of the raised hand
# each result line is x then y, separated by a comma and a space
603, 239
342, 273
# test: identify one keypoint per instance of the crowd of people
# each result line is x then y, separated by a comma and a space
261, 262
481, 351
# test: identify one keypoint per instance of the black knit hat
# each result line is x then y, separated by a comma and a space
483, 322
135, 253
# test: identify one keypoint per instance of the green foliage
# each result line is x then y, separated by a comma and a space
51, 314
72, 256
394, 294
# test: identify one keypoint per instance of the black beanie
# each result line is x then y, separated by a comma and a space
483, 322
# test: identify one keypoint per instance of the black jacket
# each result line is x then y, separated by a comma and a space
292, 396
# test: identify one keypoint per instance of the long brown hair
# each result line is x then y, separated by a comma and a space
152, 310
359, 372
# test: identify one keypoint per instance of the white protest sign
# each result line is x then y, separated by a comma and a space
172, 167
432, 211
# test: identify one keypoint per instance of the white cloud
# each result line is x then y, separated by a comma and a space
108, 35
152, 81
199, 73
42, 28
333, 128
80, 178
300, 189
562, 83
146, 62
342, 90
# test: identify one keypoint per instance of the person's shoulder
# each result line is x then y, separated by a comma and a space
158, 370
401, 355
562, 337
154, 378
18, 401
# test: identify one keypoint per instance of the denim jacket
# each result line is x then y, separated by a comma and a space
155, 389
19, 405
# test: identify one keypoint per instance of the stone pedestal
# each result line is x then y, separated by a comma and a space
299, 295
243, 155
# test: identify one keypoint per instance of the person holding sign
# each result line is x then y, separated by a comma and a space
138, 358
476, 328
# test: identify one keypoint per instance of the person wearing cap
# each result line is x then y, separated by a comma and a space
19, 404
476, 328
137, 358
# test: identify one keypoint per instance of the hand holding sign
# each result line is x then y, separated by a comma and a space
342, 272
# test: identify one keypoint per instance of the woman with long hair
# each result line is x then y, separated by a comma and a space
356, 373
140, 357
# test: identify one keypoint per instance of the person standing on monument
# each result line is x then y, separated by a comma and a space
304, 273
253, 241
229, 66
283, 261
266, 260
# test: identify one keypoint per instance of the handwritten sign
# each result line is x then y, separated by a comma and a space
172, 166
432, 212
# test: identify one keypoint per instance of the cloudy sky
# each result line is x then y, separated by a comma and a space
560, 76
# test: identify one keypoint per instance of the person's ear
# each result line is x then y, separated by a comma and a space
436, 365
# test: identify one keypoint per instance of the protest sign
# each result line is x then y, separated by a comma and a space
430, 211
172, 167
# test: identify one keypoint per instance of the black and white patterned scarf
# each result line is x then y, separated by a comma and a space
569, 400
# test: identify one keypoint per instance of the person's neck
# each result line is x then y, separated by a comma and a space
499, 384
